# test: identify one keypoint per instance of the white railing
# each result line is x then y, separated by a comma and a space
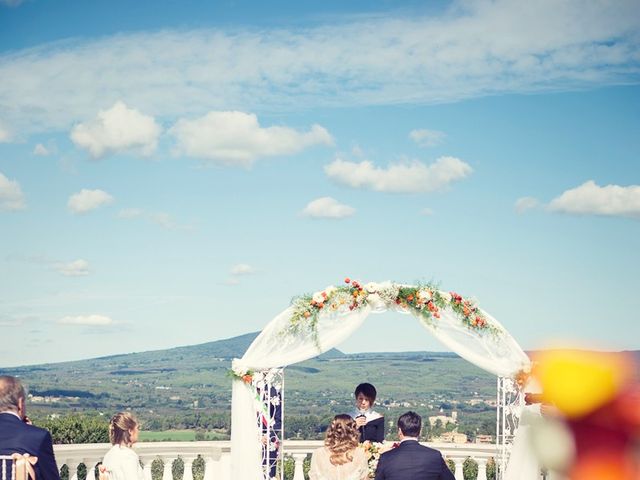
217, 457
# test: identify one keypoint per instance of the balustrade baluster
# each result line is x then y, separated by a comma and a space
72, 465
146, 469
167, 474
188, 468
209, 467
482, 468
458, 472
91, 468
298, 472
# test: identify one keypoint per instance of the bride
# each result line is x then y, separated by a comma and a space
341, 458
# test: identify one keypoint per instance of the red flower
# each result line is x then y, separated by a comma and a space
347, 280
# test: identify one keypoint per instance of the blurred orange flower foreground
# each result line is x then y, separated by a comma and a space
597, 396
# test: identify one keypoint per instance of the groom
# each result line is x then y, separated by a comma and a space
410, 460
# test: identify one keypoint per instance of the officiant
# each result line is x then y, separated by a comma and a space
369, 422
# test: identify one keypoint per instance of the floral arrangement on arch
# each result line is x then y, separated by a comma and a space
373, 450
423, 300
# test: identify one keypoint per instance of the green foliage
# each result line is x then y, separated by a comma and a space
289, 466
452, 465
177, 469
470, 469
77, 428
491, 469
157, 469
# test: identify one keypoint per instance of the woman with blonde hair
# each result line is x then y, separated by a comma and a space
341, 458
121, 462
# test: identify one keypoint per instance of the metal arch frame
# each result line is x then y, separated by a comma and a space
270, 388
509, 405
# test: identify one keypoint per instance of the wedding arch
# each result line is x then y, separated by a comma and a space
313, 324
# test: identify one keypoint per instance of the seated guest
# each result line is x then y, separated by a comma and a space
410, 459
369, 423
121, 462
17, 435
341, 458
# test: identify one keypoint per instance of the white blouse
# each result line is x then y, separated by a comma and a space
122, 463
323, 469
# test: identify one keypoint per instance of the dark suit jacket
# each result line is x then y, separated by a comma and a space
18, 437
412, 461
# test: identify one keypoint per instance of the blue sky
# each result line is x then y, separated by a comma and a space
173, 173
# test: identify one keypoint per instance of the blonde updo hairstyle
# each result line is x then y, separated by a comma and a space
120, 428
342, 438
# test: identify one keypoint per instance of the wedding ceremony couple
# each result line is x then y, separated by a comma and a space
343, 458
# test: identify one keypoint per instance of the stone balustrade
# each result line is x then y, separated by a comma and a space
217, 457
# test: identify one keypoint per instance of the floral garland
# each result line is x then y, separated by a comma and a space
424, 301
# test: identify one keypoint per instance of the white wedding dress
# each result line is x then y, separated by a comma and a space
323, 469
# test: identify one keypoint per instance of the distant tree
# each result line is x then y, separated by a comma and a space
77, 428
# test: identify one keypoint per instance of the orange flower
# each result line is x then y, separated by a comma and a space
246, 378
410, 298
306, 314
466, 311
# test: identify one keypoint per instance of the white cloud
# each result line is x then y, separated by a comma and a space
401, 177
327, 207
592, 199
236, 138
427, 212
40, 150
77, 268
11, 196
526, 203
87, 320
470, 50
87, 200
5, 136
242, 269
117, 129
130, 213
161, 219
427, 138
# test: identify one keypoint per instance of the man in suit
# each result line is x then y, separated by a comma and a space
18, 436
410, 460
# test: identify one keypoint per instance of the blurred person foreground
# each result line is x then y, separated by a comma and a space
590, 405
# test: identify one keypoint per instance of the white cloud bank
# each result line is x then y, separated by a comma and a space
11, 196
427, 138
473, 49
592, 199
76, 268
242, 269
526, 203
87, 320
236, 138
40, 150
327, 207
400, 177
118, 129
86, 200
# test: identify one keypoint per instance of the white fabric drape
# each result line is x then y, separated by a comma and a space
499, 354
272, 349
